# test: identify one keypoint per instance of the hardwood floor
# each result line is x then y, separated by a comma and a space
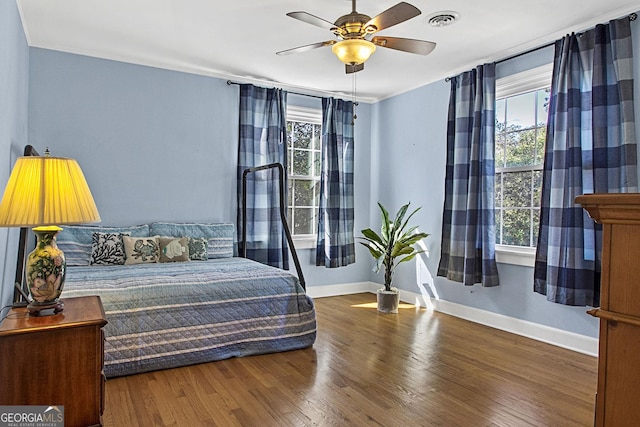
416, 368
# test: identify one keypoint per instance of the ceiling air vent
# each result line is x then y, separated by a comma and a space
442, 19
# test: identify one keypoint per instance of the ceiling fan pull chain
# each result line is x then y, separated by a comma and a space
354, 97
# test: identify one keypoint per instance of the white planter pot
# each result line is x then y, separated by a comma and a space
388, 301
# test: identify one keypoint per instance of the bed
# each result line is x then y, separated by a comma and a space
168, 314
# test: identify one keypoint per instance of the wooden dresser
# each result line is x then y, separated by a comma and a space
56, 360
619, 348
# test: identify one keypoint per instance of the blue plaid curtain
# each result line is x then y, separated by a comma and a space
590, 148
263, 130
335, 246
468, 225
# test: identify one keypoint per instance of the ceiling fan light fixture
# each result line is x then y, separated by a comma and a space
353, 51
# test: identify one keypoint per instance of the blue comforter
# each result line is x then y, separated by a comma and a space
174, 314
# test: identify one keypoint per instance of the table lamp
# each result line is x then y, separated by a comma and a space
44, 192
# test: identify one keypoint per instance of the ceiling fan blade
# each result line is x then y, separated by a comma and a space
394, 15
312, 19
306, 48
421, 47
350, 69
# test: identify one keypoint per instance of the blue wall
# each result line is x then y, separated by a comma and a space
158, 145
14, 71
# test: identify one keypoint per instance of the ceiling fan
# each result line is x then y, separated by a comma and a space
355, 31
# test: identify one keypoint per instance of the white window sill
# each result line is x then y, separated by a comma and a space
516, 255
304, 242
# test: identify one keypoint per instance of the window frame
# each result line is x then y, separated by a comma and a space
304, 115
515, 84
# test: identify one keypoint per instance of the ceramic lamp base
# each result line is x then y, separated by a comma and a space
45, 309
45, 271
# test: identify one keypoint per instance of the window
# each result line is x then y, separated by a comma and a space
304, 158
521, 125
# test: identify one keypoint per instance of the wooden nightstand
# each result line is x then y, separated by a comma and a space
56, 360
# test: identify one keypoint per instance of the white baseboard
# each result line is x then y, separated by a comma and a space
336, 290
558, 337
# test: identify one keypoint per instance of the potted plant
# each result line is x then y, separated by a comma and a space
394, 245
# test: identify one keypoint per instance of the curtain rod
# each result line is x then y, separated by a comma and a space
229, 83
632, 17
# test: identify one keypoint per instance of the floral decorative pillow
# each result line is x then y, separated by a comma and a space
107, 249
197, 248
141, 250
174, 249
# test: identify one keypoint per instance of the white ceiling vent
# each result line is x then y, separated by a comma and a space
442, 19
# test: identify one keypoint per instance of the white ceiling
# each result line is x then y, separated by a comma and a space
237, 39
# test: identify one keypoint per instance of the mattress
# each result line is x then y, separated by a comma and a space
165, 315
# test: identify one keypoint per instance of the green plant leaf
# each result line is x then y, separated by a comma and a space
410, 257
385, 222
409, 217
372, 236
400, 249
373, 250
413, 239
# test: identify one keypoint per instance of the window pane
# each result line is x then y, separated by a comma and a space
537, 188
498, 190
500, 150
535, 224
302, 162
540, 143
517, 189
303, 135
303, 189
499, 226
316, 199
521, 111
520, 148
316, 137
516, 227
500, 114
543, 105
304, 221
290, 192
317, 163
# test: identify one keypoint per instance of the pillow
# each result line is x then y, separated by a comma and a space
141, 250
174, 249
219, 236
197, 248
107, 249
76, 240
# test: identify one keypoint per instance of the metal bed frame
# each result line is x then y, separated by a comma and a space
283, 216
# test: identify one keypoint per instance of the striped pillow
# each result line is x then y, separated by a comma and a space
219, 235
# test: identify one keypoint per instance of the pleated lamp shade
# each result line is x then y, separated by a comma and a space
45, 190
